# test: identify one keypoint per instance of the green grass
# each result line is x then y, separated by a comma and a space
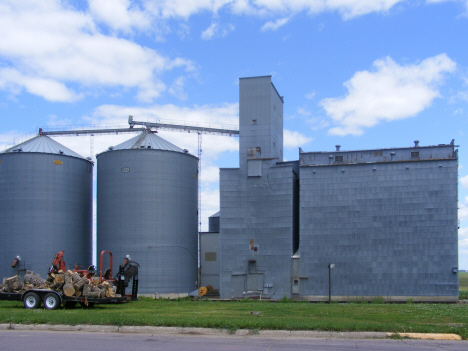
463, 281
422, 318
463, 285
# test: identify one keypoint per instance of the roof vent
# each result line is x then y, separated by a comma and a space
337, 147
186, 151
392, 155
60, 152
416, 143
111, 148
148, 147
142, 146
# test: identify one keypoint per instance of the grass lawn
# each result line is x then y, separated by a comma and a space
424, 318
463, 281
409, 317
463, 285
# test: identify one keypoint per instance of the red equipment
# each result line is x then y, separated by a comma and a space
58, 264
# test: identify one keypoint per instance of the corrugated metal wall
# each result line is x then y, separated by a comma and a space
256, 242
209, 259
45, 207
147, 208
389, 228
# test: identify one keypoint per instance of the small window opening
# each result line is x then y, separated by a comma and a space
253, 152
254, 121
252, 266
414, 154
338, 158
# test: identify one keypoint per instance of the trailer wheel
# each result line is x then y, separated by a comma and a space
31, 300
51, 301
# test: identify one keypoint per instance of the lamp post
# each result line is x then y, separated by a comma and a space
330, 266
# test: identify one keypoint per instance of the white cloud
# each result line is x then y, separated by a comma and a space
274, 25
293, 139
463, 234
120, 15
215, 116
464, 181
460, 96
388, 93
210, 205
49, 89
318, 123
68, 52
302, 111
177, 88
310, 96
215, 30
183, 8
11, 138
463, 210
210, 174
347, 8
465, 2
463, 248
209, 32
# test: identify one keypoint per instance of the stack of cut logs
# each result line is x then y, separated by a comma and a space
69, 283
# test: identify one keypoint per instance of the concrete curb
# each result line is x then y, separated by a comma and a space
427, 336
298, 334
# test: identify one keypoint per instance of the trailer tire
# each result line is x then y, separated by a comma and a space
31, 300
52, 301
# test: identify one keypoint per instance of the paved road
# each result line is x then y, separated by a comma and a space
80, 341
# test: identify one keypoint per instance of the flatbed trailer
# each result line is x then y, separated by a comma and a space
54, 299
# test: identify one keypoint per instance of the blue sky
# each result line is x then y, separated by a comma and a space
359, 73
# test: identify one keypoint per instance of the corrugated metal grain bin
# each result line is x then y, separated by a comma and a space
45, 207
147, 191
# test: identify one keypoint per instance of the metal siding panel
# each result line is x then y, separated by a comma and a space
209, 243
251, 208
45, 208
150, 212
386, 238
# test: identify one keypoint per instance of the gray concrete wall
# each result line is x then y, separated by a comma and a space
390, 228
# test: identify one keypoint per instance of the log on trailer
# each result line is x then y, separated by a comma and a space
68, 289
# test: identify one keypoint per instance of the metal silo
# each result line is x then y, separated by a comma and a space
147, 191
45, 207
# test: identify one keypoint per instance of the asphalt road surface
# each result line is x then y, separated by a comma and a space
80, 341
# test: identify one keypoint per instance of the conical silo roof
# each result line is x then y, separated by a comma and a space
148, 140
43, 144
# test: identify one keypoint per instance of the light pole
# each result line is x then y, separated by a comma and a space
330, 266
